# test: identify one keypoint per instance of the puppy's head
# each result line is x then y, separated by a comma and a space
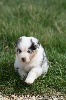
27, 48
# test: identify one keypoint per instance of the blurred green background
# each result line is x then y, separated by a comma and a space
45, 20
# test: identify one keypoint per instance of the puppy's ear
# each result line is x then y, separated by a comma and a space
18, 41
36, 41
34, 44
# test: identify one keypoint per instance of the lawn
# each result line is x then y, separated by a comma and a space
45, 20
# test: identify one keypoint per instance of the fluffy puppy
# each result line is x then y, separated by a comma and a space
31, 61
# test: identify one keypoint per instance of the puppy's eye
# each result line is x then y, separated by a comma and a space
29, 51
18, 50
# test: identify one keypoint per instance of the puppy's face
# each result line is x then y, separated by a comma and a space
27, 48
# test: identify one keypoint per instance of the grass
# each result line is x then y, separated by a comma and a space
44, 19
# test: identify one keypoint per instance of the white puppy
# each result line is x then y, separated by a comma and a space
31, 60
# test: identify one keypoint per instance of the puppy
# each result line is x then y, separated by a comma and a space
31, 61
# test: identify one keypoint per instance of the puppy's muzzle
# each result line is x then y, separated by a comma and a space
24, 59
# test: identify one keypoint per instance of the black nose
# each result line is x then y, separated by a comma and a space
24, 59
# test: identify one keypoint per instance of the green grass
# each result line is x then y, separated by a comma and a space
45, 20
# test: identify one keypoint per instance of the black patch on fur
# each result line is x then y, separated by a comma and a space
33, 46
18, 50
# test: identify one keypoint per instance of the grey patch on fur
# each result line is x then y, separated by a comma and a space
16, 70
38, 43
43, 60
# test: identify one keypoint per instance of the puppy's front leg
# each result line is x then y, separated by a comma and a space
33, 74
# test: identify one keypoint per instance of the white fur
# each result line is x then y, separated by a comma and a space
33, 68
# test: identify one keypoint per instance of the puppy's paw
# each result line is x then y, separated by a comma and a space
29, 80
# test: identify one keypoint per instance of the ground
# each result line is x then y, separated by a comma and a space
45, 20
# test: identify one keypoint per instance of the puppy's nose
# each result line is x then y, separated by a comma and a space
24, 59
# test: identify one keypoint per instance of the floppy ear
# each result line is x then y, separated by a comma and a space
18, 41
35, 43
